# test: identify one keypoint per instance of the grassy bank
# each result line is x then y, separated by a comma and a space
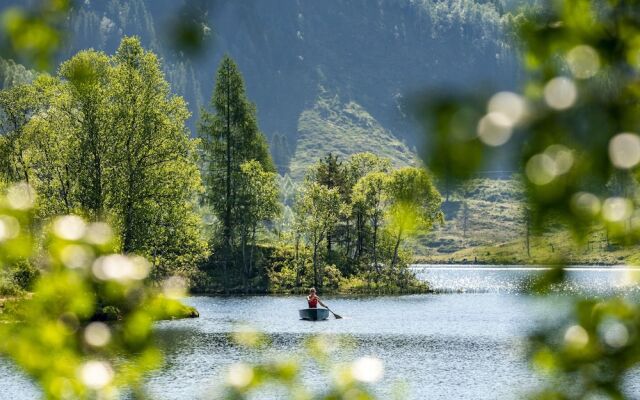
557, 247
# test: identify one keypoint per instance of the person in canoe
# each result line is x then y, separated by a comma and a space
313, 299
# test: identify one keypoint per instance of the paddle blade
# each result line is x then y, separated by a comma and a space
337, 316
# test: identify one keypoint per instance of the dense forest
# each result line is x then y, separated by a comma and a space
291, 55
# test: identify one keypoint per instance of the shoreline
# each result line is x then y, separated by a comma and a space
522, 265
426, 261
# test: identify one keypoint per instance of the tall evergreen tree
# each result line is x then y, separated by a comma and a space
230, 137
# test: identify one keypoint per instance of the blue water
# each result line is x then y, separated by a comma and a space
466, 342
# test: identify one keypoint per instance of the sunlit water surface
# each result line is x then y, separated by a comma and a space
466, 342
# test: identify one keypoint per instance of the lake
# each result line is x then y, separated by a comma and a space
466, 342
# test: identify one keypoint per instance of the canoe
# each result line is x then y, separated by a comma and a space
314, 314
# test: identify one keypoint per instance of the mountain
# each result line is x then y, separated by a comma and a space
374, 53
332, 126
333, 76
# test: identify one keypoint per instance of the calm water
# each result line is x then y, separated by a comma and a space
465, 343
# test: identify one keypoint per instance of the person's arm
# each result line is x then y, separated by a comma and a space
321, 303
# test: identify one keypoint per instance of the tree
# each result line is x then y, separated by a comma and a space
318, 210
358, 166
107, 139
330, 172
230, 137
51, 150
414, 204
258, 202
17, 104
369, 196
155, 168
87, 78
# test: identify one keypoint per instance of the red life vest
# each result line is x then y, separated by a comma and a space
313, 302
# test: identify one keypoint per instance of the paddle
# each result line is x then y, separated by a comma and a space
336, 316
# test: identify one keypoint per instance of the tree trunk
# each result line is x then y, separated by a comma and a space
297, 262
375, 246
315, 265
528, 233
244, 263
227, 214
395, 251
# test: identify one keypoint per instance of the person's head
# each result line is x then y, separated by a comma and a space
312, 291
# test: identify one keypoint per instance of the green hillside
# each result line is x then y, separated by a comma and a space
483, 212
333, 126
486, 223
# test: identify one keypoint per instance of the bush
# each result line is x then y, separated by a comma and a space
8, 288
331, 278
24, 274
287, 273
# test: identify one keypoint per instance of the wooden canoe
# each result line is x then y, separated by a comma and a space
314, 314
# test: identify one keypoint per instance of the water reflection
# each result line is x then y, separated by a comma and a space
514, 279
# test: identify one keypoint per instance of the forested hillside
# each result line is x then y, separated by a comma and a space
372, 53
324, 79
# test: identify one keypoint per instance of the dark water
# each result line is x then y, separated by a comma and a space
465, 343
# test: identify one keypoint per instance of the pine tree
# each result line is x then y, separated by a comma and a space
230, 137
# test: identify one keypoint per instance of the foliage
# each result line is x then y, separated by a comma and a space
317, 212
258, 203
34, 34
230, 138
590, 353
362, 212
576, 132
106, 139
54, 336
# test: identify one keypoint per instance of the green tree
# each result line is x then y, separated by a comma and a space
318, 210
358, 166
106, 139
17, 104
414, 205
330, 172
88, 82
51, 149
258, 202
230, 137
369, 197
